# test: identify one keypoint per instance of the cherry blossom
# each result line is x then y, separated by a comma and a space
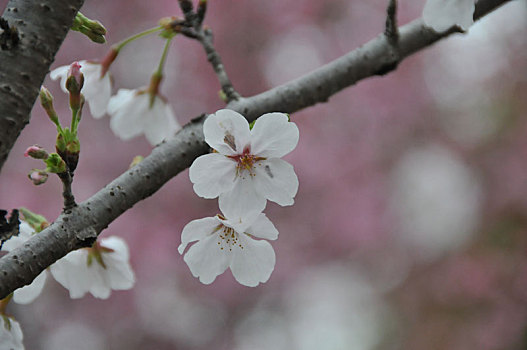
97, 270
10, 334
246, 169
226, 241
134, 113
97, 89
441, 15
26, 294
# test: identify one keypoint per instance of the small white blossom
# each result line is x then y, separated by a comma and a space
247, 169
132, 115
441, 15
97, 270
10, 334
96, 90
226, 242
26, 294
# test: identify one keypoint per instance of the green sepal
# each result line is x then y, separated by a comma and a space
7, 322
167, 34
67, 141
36, 221
55, 164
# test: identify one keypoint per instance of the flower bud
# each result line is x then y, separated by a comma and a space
55, 164
37, 176
91, 28
75, 79
46, 100
36, 152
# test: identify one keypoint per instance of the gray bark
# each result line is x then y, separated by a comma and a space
80, 226
42, 26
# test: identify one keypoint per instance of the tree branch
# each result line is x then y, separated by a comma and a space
80, 226
42, 26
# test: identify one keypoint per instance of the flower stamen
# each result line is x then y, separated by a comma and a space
245, 161
228, 239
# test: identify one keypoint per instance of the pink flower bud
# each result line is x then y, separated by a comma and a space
75, 70
75, 79
37, 176
36, 152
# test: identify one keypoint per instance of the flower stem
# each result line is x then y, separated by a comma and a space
74, 121
155, 81
162, 61
121, 44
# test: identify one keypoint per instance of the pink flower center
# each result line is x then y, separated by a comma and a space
245, 161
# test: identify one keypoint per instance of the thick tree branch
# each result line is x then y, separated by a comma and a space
42, 26
80, 226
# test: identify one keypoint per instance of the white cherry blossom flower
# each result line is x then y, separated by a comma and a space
26, 294
96, 90
247, 169
132, 115
441, 15
226, 241
97, 270
10, 334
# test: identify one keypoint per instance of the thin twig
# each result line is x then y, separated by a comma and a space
192, 27
67, 193
200, 12
391, 31
187, 8
205, 38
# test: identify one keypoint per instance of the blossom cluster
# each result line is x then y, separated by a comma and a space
244, 171
98, 270
133, 112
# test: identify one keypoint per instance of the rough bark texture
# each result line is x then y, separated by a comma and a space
42, 26
81, 226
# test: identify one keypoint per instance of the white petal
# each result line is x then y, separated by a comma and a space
118, 245
118, 274
441, 15
263, 228
72, 273
242, 205
273, 136
60, 73
27, 294
207, 260
160, 122
128, 118
100, 289
10, 335
227, 132
212, 174
25, 233
276, 180
121, 99
254, 263
196, 230
96, 90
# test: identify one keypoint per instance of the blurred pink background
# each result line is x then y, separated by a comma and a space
410, 225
